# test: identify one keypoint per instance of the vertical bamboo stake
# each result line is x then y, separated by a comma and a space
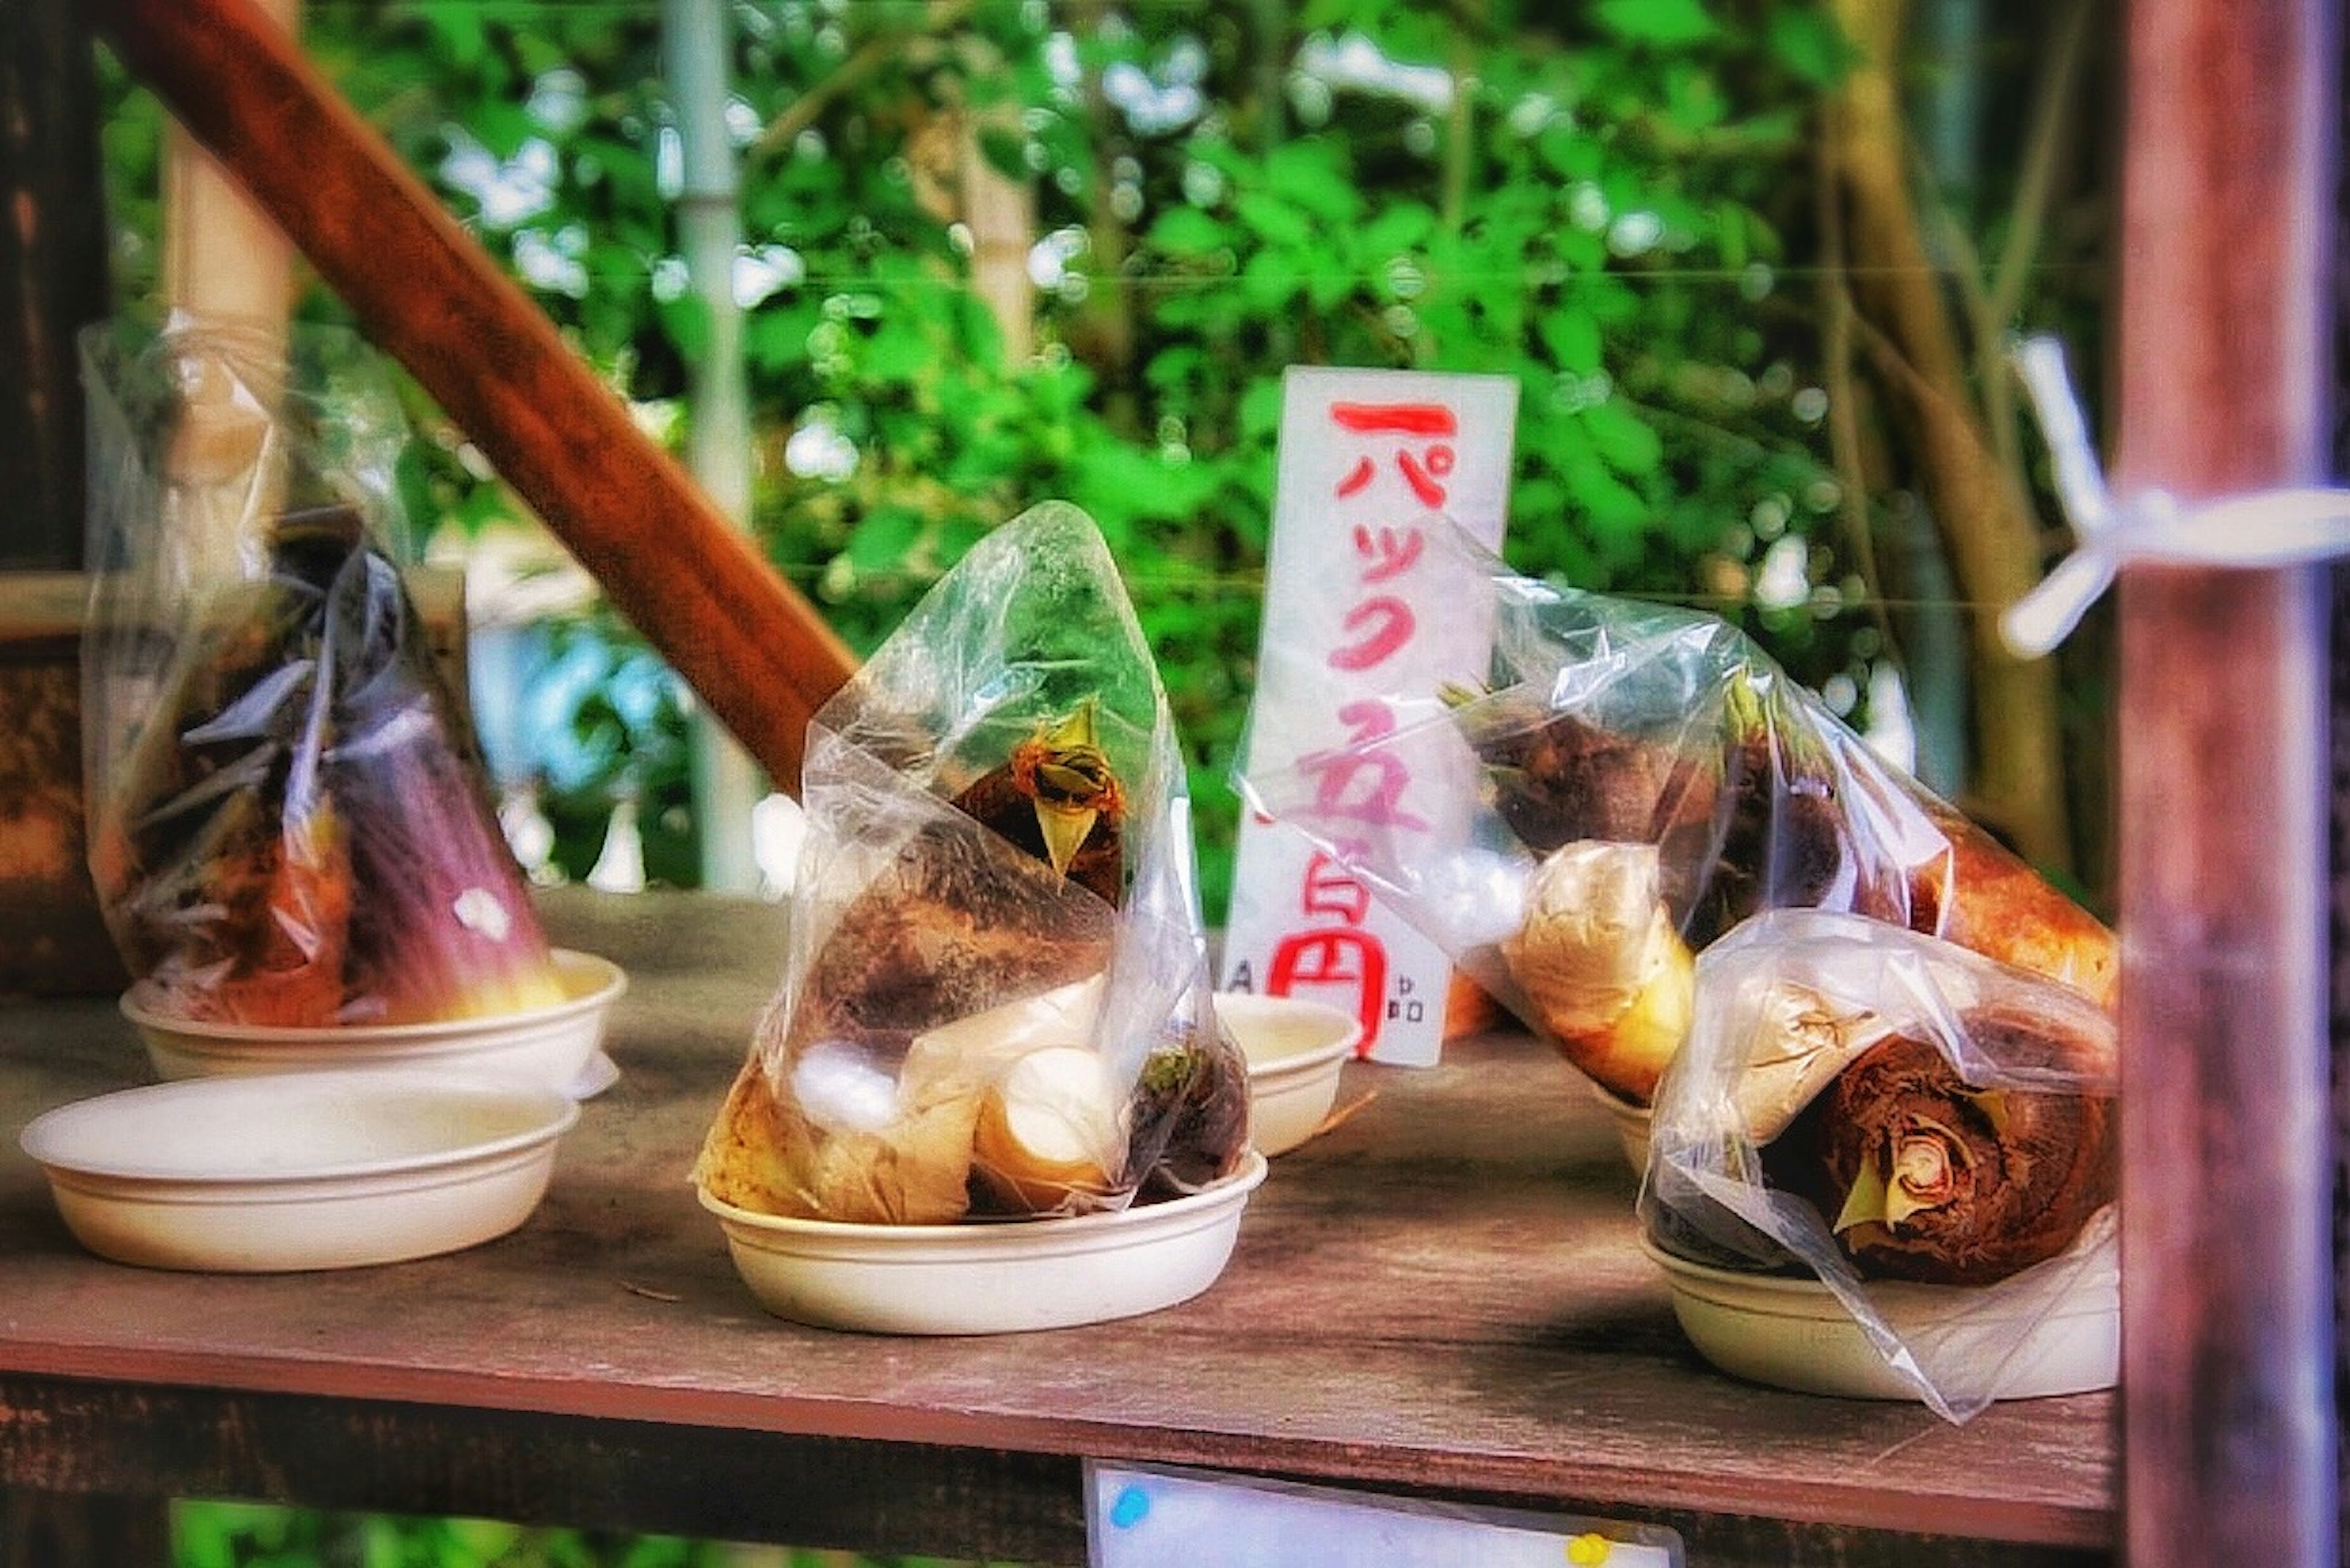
225, 261
696, 39
1002, 212
2229, 1451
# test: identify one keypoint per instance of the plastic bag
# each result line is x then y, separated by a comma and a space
288, 826
1882, 1108
994, 999
1650, 778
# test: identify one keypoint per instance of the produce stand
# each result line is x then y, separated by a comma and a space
1443, 1296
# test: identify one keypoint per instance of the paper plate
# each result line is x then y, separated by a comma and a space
988, 1278
1795, 1333
557, 1044
264, 1173
1295, 1050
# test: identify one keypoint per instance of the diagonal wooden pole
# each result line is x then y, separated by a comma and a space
2229, 1438
754, 649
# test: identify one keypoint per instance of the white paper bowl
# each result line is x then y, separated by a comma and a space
1295, 1050
1631, 1124
258, 1174
988, 1277
1795, 1333
556, 1044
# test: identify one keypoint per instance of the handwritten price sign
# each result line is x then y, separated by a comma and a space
1356, 609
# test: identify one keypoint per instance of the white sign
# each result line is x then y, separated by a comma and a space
1356, 610
1155, 1517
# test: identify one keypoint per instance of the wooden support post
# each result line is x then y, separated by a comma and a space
2229, 1434
702, 593
52, 275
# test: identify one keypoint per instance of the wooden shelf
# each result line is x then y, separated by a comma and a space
1441, 1297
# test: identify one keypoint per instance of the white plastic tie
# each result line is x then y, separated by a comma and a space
2296, 525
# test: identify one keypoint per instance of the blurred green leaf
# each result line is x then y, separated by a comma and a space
1573, 339
885, 539
1274, 218
1187, 231
1808, 42
1663, 22
899, 351
1623, 438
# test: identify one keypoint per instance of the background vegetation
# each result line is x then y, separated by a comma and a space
998, 251
244, 1535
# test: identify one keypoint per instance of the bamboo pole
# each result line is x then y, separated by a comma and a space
1002, 212
226, 264
696, 39
222, 254
2229, 1451
756, 653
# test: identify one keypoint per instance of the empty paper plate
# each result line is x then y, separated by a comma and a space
299, 1170
1295, 1051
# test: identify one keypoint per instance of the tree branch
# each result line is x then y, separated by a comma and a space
1992, 545
867, 58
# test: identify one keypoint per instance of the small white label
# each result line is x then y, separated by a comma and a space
1155, 1517
482, 912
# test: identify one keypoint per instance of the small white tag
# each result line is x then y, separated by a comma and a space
1156, 1517
484, 913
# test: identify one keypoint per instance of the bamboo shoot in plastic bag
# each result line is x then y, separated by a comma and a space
1876, 1106
994, 997
288, 821
1649, 779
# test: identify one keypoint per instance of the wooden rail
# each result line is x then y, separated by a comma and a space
755, 650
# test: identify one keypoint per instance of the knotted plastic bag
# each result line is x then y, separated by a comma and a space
994, 996
1932, 1134
288, 824
1647, 778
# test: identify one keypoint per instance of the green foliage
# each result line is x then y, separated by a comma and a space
1595, 201
263, 1535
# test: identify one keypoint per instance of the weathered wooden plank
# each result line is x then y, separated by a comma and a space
802, 1491
1442, 1296
754, 649
2229, 1438
638, 1476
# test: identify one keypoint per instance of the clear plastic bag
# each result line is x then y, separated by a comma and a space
1650, 778
1909, 1122
994, 996
288, 821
